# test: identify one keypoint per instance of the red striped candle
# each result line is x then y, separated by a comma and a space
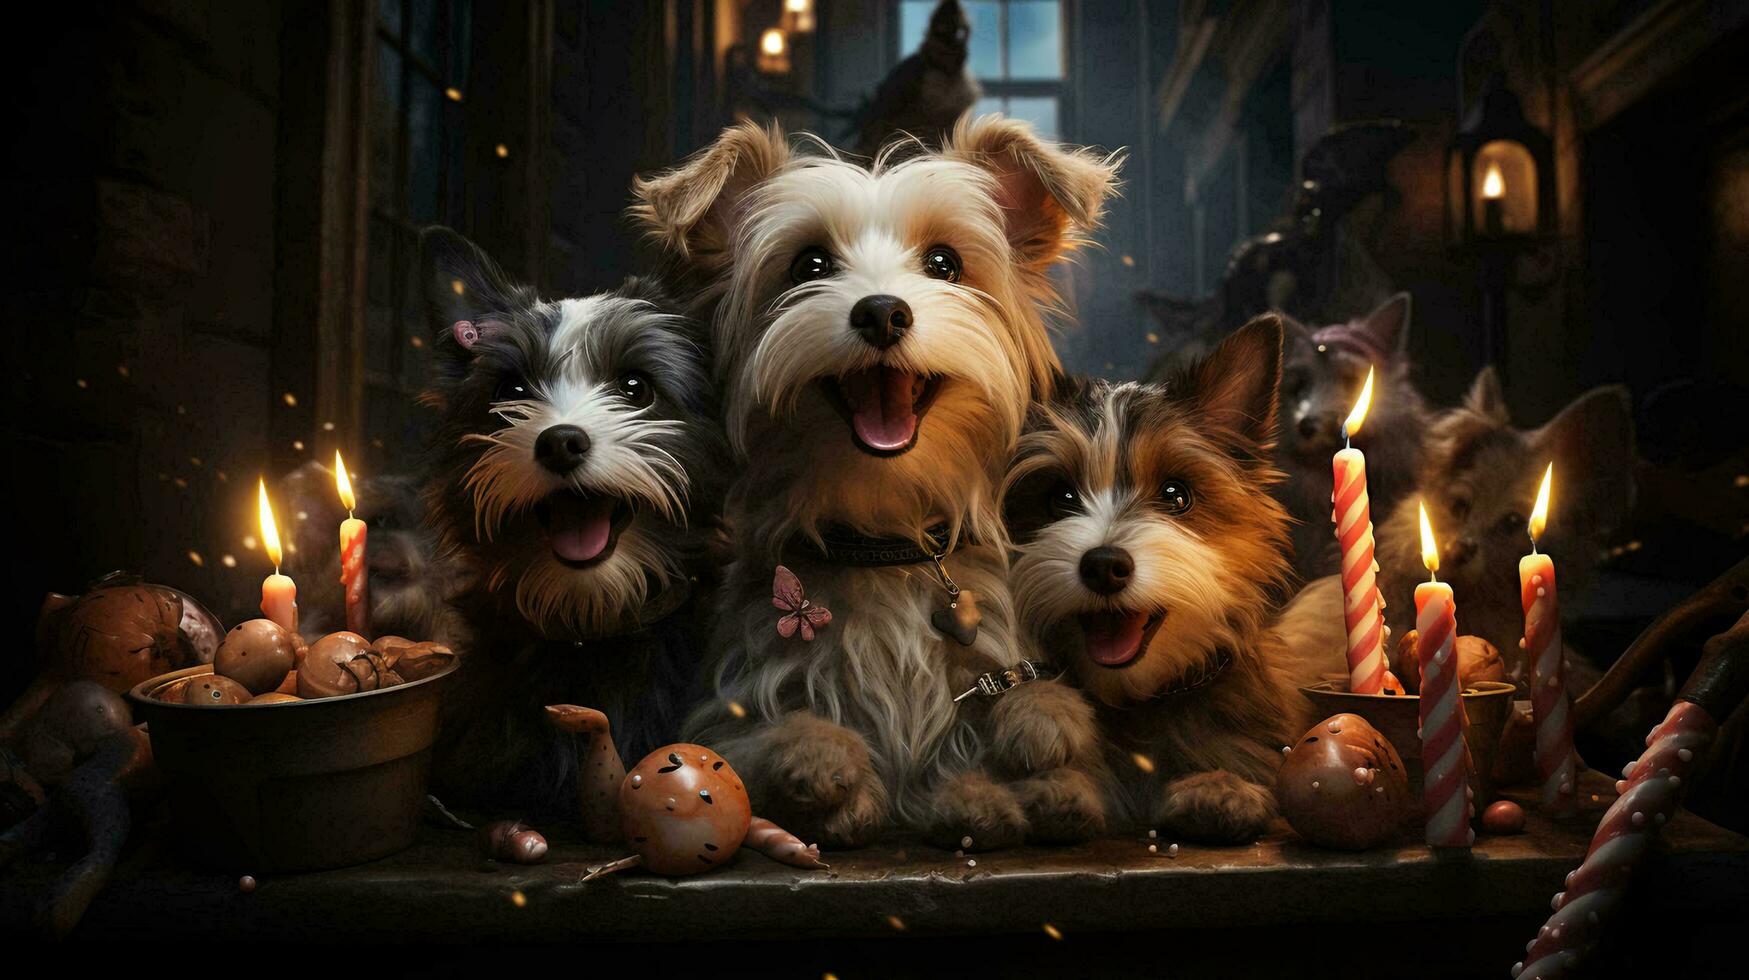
1362, 607
1445, 755
1556, 765
354, 576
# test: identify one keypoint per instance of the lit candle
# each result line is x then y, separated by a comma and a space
1493, 200
1555, 764
354, 576
1445, 755
279, 594
1362, 607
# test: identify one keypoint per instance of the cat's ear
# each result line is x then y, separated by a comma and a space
1235, 387
1487, 398
1591, 443
1389, 323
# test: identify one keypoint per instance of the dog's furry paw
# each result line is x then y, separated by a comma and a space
1216, 807
1062, 806
972, 805
821, 783
1042, 726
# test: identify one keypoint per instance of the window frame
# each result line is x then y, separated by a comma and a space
1058, 88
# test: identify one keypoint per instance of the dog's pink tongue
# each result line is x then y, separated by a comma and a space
883, 403
1113, 639
579, 526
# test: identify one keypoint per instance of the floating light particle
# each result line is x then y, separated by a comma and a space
417, 341
194, 461
121, 369
298, 444
1129, 260
249, 542
181, 484
456, 286
327, 427
82, 383
1634, 546
828, 976
194, 556
289, 399
1741, 481
453, 94
518, 899
303, 515
1142, 762
736, 709
1053, 931
897, 923
223, 476
1153, 834
292, 547
163, 477
228, 560
376, 443
182, 410
502, 151
1153, 338
966, 841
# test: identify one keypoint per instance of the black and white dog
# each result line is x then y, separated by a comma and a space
577, 477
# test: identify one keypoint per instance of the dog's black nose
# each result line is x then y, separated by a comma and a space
561, 448
1320, 425
1107, 570
881, 319
1459, 549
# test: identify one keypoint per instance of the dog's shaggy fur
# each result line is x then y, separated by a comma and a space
1150, 553
857, 730
584, 555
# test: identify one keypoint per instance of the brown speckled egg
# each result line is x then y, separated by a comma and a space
413, 661
1503, 817
1342, 785
683, 810
257, 654
1477, 661
210, 689
327, 668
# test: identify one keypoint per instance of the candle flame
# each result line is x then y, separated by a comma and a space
1493, 183
1429, 547
1539, 515
1351, 427
343, 483
269, 530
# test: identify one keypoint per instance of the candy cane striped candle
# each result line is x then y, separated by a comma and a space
1649, 794
1445, 755
1556, 764
1362, 608
354, 576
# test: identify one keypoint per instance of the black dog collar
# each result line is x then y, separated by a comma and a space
846, 547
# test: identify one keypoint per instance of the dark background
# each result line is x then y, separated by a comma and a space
214, 205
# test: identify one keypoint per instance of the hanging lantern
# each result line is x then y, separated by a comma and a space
1499, 175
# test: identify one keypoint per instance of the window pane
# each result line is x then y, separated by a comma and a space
913, 23
1035, 44
1041, 112
986, 42
389, 11
385, 129
425, 154
989, 104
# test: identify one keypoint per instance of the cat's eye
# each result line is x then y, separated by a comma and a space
635, 387
1175, 497
1062, 501
511, 388
942, 262
813, 263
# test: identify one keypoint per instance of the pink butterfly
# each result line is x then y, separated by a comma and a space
799, 613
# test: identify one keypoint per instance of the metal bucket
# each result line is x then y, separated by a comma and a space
1398, 718
298, 786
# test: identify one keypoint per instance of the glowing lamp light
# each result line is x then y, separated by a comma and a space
1351, 428
1429, 546
798, 16
269, 530
772, 42
1539, 515
1493, 185
774, 51
343, 483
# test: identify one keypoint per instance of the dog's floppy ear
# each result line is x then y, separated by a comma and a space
1591, 443
1051, 196
1487, 398
467, 297
1389, 323
690, 209
1234, 388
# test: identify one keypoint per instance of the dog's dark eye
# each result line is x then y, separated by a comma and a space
1175, 496
1062, 501
635, 387
511, 388
942, 262
1511, 523
812, 264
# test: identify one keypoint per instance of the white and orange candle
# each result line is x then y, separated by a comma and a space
279, 594
354, 575
1445, 755
1362, 607
1555, 762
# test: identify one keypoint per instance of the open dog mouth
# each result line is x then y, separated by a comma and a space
883, 405
582, 528
1114, 639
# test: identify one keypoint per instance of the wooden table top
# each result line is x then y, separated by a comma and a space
441, 889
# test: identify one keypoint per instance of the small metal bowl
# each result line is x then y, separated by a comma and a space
1398, 718
297, 786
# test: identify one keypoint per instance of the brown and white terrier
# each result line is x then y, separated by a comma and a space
879, 335
1150, 557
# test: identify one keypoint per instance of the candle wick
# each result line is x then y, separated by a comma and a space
1533, 545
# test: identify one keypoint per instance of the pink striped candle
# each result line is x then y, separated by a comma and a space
354, 576
1556, 765
1362, 607
1445, 754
